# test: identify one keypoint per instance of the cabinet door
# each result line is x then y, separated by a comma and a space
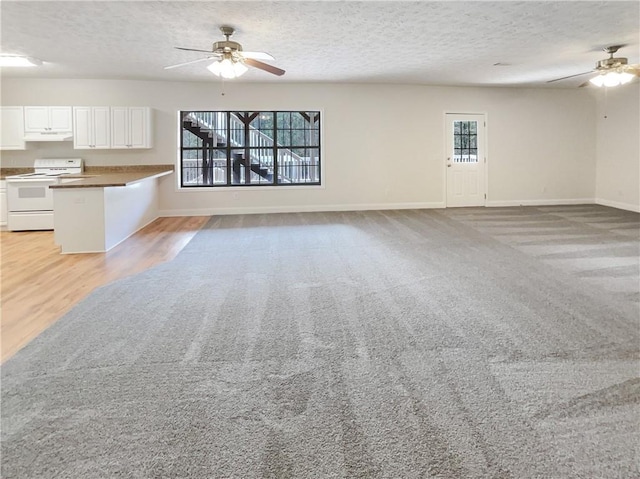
138, 127
47, 118
119, 127
36, 118
60, 118
82, 128
12, 128
101, 127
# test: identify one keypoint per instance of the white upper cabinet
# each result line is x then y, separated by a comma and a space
91, 127
47, 119
12, 128
131, 127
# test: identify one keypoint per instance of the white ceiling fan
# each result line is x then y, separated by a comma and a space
612, 71
229, 59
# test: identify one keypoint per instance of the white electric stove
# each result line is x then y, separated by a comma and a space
29, 198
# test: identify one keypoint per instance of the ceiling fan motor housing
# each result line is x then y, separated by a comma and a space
610, 63
226, 46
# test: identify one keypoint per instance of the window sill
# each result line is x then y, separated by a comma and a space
219, 189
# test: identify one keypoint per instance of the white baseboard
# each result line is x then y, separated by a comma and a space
299, 209
576, 201
618, 204
385, 206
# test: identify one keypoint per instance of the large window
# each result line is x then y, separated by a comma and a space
249, 148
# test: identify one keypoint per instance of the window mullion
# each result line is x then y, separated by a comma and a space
228, 145
276, 177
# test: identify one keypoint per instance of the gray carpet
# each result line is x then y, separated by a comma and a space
462, 343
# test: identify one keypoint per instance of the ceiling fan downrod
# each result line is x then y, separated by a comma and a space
226, 45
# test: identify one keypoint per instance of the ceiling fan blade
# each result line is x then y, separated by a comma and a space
188, 63
263, 66
570, 76
257, 55
193, 50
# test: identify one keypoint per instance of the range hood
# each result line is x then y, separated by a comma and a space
49, 136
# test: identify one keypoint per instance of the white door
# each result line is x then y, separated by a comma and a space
466, 160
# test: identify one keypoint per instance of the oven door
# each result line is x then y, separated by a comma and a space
30, 194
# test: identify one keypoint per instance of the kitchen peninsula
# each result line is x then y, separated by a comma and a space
102, 207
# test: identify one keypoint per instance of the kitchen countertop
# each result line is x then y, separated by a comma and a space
107, 176
119, 174
4, 172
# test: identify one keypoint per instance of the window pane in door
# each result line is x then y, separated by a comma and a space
465, 142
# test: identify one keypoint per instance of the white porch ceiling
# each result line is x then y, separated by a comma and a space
419, 42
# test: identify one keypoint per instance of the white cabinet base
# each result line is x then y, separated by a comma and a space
94, 220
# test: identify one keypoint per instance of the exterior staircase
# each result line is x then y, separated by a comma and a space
212, 129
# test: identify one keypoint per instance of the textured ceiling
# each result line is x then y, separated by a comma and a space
420, 42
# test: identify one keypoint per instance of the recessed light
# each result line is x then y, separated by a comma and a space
18, 61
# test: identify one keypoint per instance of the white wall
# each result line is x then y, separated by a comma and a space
383, 144
618, 147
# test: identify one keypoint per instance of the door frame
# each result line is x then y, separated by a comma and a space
486, 154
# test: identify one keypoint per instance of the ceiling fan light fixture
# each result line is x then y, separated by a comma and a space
625, 77
612, 78
239, 68
215, 68
231, 60
227, 68
18, 61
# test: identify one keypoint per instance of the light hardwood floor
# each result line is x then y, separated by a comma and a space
38, 284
